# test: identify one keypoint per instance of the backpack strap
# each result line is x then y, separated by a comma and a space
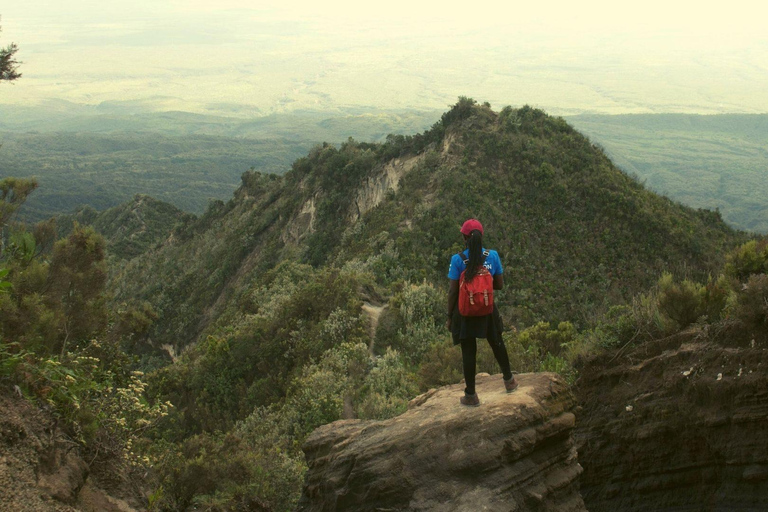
465, 259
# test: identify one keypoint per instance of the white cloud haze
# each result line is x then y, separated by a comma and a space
235, 56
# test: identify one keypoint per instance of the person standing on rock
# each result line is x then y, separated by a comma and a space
465, 267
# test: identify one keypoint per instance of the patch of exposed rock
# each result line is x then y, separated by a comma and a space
676, 424
375, 188
515, 452
40, 469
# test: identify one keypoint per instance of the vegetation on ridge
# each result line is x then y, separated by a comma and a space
713, 162
59, 344
575, 234
130, 229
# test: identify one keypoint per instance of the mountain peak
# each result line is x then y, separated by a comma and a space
575, 234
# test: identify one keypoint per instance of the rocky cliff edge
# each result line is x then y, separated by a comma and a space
679, 423
515, 452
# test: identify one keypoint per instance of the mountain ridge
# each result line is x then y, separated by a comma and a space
564, 194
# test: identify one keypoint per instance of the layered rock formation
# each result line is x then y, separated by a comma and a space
513, 453
676, 424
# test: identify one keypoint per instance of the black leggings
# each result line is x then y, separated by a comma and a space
469, 360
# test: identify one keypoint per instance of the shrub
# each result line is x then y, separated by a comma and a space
681, 304
219, 472
421, 313
5, 286
103, 406
716, 295
440, 365
750, 258
387, 388
559, 365
541, 339
319, 396
752, 303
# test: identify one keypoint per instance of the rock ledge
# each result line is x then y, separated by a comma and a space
513, 453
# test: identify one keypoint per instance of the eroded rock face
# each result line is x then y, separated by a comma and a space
676, 424
375, 188
513, 453
39, 470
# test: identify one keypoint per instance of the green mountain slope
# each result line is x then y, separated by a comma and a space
102, 155
130, 229
575, 234
703, 161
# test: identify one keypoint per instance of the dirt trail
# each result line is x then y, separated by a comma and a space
374, 313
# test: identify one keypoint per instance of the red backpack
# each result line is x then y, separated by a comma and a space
476, 296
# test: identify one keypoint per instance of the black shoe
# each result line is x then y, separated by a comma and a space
470, 400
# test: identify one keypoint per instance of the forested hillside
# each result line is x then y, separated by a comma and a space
129, 229
716, 161
224, 340
575, 233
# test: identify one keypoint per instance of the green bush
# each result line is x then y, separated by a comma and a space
750, 258
441, 365
290, 318
541, 339
420, 322
716, 295
227, 472
681, 304
559, 365
387, 388
103, 405
5, 286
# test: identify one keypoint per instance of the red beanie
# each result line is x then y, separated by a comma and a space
470, 225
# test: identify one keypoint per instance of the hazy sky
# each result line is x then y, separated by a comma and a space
244, 58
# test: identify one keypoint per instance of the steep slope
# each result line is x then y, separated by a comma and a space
262, 300
131, 228
574, 232
676, 424
41, 469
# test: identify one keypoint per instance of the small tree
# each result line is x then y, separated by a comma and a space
680, 303
13, 193
8, 62
78, 274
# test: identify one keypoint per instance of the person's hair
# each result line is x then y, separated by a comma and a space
475, 245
